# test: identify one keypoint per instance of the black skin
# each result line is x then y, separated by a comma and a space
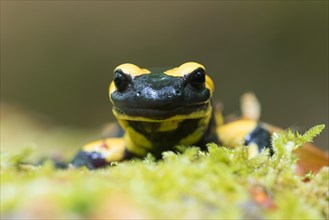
261, 137
159, 96
95, 160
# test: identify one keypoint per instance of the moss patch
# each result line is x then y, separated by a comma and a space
221, 183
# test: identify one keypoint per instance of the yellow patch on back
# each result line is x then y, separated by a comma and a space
234, 133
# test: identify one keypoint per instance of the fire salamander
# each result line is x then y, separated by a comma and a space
160, 108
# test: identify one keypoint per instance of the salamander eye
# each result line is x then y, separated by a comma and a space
197, 78
121, 80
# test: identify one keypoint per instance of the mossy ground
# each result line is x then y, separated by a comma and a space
220, 184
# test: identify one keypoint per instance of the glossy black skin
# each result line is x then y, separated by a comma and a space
160, 96
165, 141
261, 137
94, 160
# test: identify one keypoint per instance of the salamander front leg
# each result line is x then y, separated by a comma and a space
101, 153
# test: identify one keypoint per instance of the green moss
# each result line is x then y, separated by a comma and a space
222, 184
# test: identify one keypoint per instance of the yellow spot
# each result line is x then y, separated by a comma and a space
197, 134
234, 133
210, 85
252, 150
132, 69
188, 68
112, 88
133, 147
112, 149
169, 125
184, 69
135, 142
181, 71
193, 115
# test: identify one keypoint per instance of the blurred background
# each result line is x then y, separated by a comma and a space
57, 59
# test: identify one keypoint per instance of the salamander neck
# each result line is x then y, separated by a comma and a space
156, 137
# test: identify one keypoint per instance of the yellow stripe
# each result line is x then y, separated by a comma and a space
112, 149
112, 88
187, 68
195, 136
184, 69
210, 85
181, 71
193, 115
135, 142
234, 133
132, 69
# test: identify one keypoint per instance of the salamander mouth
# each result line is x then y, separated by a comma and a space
161, 114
